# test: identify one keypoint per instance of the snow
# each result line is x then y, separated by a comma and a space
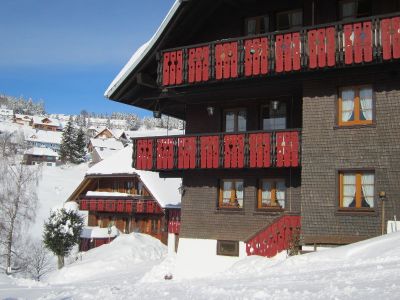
142, 132
107, 143
90, 232
133, 267
41, 151
164, 190
43, 136
106, 194
42, 121
56, 184
142, 51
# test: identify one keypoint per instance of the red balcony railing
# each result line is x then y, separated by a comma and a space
259, 149
276, 237
174, 221
120, 206
368, 40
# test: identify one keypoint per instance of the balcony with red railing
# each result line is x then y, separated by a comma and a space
342, 44
253, 149
128, 206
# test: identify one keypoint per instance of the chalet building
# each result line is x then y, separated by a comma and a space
115, 194
43, 138
100, 148
44, 123
291, 112
22, 119
40, 155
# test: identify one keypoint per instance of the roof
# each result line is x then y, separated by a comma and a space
164, 190
107, 143
152, 132
103, 154
142, 51
52, 137
41, 151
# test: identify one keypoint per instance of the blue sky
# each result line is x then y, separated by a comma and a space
67, 52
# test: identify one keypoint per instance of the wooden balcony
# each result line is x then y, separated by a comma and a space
258, 149
342, 44
129, 206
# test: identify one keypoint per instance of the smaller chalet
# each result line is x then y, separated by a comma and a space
38, 155
45, 123
23, 119
115, 194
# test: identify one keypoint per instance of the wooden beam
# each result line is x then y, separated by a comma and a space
145, 79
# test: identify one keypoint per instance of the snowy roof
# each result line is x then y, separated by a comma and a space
152, 132
90, 232
103, 154
107, 143
6, 112
107, 194
164, 190
26, 117
41, 151
45, 121
142, 51
53, 137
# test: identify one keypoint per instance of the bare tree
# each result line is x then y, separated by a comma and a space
18, 202
39, 261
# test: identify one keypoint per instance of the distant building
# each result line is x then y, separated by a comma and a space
23, 119
37, 155
102, 148
45, 123
6, 114
48, 139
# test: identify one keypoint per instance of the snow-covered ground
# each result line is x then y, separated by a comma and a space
133, 267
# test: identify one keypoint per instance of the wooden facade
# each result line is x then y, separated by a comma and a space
300, 116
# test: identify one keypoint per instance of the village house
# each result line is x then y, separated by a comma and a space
115, 194
22, 119
40, 155
47, 139
45, 123
291, 112
6, 114
100, 148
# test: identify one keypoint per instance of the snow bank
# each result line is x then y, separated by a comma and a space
121, 255
90, 232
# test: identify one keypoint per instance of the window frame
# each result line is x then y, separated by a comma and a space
357, 106
289, 13
236, 119
356, 15
268, 105
220, 251
258, 20
273, 190
221, 192
358, 195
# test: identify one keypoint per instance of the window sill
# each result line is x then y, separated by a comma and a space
349, 126
356, 212
229, 211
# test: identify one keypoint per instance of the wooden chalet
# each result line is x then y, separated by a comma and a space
115, 194
40, 155
45, 123
291, 114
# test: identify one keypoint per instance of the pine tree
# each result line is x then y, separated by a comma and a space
80, 144
62, 232
67, 147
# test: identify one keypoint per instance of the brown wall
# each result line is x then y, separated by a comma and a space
202, 219
327, 149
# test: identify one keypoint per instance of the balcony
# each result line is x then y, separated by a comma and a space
258, 149
366, 41
129, 206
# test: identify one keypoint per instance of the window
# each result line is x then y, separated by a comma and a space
228, 248
231, 193
351, 9
273, 116
356, 189
257, 25
235, 120
355, 105
128, 186
140, 189
271, 193
115, 186
289, 19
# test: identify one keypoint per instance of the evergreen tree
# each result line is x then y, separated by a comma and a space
67, 147
62, 232
80, 144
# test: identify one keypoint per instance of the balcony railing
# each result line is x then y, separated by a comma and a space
120, 206
368, 40
258, 149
